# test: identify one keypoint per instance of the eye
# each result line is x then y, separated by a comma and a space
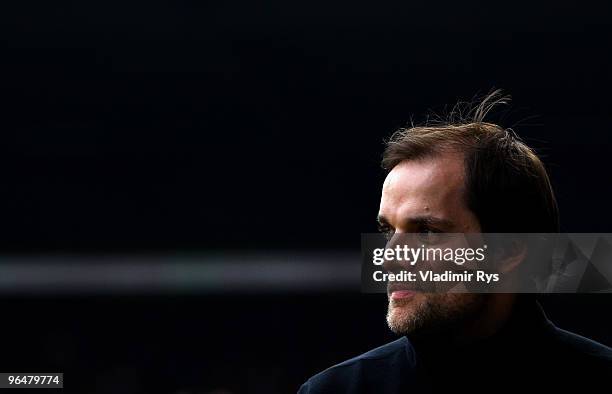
387, 230
429, 235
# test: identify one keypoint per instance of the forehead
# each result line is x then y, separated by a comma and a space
432, 184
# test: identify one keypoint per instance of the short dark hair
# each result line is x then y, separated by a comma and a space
507, 186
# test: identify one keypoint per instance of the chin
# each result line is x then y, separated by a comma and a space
403, 316
429, 313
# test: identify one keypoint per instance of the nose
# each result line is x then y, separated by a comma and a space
399, 242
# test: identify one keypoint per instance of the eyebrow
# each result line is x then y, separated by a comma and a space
416, 220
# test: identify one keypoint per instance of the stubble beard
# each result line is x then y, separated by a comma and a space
431, 314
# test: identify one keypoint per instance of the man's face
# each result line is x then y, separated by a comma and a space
422, 196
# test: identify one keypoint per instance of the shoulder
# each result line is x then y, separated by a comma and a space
364, 370
582, 348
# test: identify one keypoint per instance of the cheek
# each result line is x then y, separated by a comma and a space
456, 302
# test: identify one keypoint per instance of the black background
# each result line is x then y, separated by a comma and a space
251, 125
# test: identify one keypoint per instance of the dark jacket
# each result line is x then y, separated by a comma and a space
529, 354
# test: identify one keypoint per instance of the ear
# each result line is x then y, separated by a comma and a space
514, 254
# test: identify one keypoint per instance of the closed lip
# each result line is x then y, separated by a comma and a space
392, 287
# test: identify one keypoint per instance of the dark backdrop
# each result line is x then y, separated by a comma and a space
239, 125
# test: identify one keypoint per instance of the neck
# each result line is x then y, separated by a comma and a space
494, 314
